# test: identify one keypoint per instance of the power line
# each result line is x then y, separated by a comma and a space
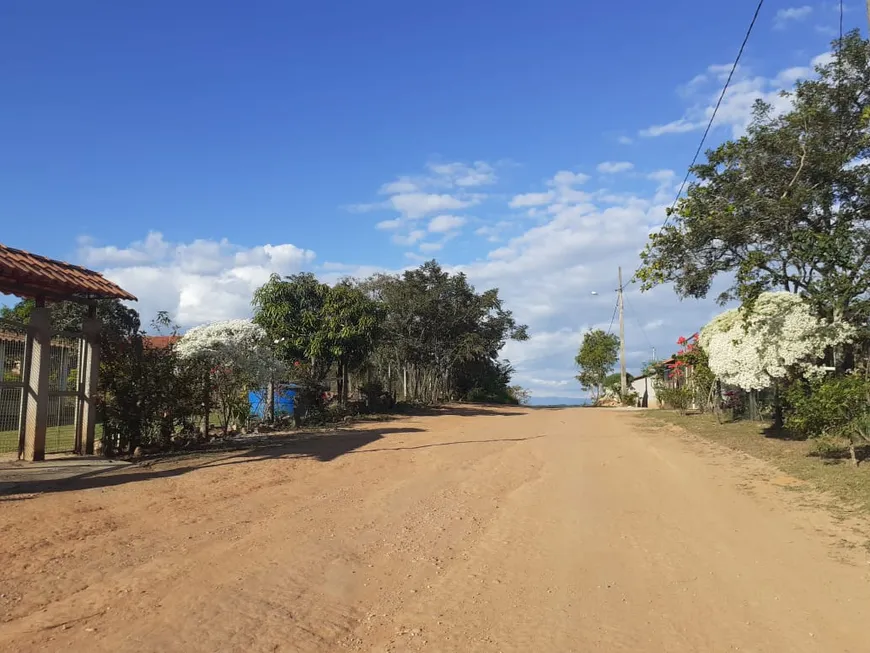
713, 116
613, 317
716, 108
841, 23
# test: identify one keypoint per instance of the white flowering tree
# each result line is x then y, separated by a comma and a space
237, 355
779, 336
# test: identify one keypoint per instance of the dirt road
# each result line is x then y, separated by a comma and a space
484, 530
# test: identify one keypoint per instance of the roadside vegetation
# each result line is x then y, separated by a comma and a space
360, 346
780, 218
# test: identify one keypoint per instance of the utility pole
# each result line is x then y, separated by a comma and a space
623, 384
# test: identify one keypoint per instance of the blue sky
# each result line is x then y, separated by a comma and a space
187, 149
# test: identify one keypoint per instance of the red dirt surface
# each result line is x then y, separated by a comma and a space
522, 530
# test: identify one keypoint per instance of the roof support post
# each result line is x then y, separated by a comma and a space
90, 379
39, 361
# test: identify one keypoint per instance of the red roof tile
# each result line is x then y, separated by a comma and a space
30, 275
160, 342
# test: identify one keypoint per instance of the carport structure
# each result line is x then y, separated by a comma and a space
39, 367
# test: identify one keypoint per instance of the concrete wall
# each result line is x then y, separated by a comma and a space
644, 388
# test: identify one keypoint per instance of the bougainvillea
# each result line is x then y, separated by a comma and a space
780, 335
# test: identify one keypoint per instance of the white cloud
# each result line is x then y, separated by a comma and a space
568, 178
389, 224
139, 252
531, 199
418, 205
441, 189
445, 223
547, 273
625, 140
463, 175
431, 247
735, 111
614, 167
791, 14
401, 185
679, 126
493, 232
410, 238
197, 282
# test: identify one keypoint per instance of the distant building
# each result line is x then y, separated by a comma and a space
644, 387
159, 342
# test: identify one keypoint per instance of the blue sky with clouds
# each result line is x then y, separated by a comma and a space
187, 149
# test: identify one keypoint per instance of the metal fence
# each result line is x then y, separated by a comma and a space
65, 382
13, 367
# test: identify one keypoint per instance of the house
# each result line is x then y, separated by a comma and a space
159, 342
644, 388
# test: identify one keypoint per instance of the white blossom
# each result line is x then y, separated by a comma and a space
781, 334
239, 345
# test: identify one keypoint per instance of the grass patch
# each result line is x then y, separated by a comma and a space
58, 439
797, 458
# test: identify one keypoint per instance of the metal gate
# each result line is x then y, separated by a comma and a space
63, 430
13, 380
63, 433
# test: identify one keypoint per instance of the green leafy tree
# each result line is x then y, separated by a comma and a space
290, 309
596, 359
351, 324
309, 321
785, 207
441, 339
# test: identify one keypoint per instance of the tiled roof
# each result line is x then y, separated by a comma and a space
160, 342
30, 275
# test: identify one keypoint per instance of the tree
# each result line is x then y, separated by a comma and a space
785, 207
238, 357
350, 324
309, 321
290, 310
779, 338
522, 396
440, 337
597, 357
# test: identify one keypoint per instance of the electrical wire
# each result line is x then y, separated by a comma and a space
712, 119
613, 317
841, 25
718, 104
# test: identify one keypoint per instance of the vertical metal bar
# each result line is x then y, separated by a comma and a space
80, 372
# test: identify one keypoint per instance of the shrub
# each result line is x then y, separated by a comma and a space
830, 408
675, 398
500, 396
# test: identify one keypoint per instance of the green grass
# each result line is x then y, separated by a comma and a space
850, 485
58, 439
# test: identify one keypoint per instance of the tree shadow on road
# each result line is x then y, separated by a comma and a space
323, 448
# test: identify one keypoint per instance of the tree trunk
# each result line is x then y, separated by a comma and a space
339, 382
404, 383
777, 408
345, 383
206, 405
270, 401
